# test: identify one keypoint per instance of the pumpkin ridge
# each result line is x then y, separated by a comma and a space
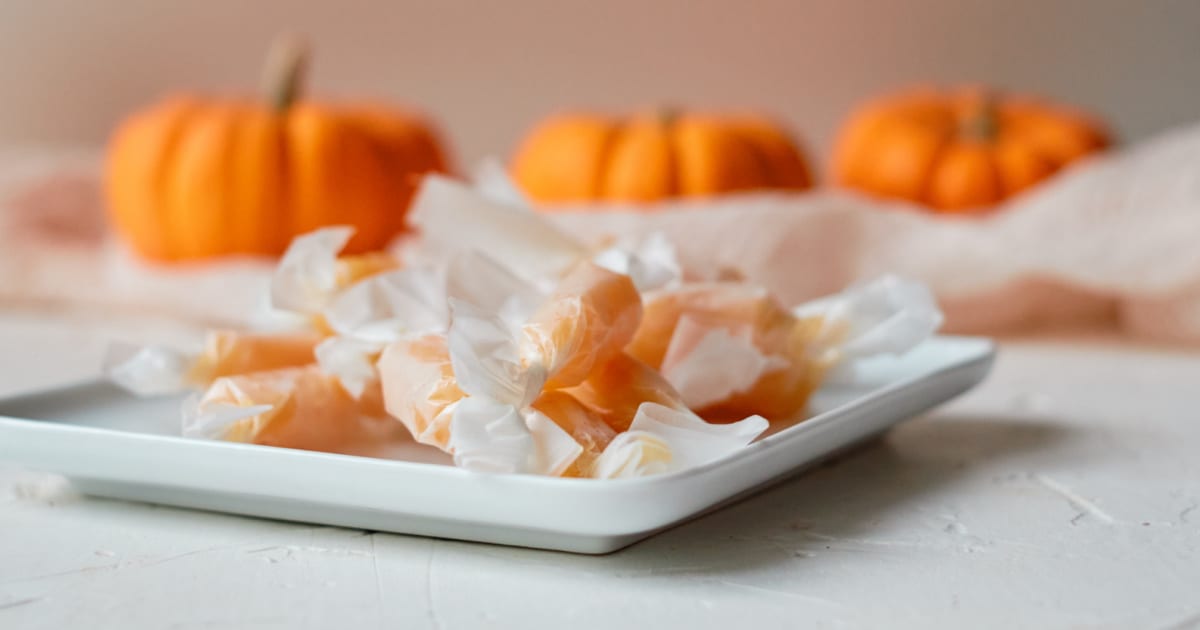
1020, 164
669, 118
308, 141
715, 158
967, 177
638, 163
230, 183
764, 176
761, 156
229, 128
137, 210
993, 162
852, 142
256, 209
238, 239
684, 156
378, 157
165, 178
1009, 133
785, 166
678, 158
390, 156
926, 187
1040, 151
945, 142
604, 161
200, 187
283, 185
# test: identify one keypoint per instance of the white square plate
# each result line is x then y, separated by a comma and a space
112, 444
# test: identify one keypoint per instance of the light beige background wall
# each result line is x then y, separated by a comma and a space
69, 69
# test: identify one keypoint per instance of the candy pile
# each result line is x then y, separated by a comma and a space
497, 339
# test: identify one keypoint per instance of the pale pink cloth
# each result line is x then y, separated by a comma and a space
1115, 240
57, 254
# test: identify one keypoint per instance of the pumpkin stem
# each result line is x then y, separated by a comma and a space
285, 71
981, 119
667, 115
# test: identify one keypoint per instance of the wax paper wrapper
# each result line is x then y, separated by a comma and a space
302, 408
663, 440
472, 390
493, 218
733, 350
155, 370
361, 302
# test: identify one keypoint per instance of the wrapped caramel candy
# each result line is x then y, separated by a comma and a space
158, 370
300, 408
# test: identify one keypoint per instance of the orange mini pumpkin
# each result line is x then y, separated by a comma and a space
587, 157
194, 177
959, 151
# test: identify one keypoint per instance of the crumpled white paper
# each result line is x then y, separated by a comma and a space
147, 370
888, 315
386, 305
351, 360
491, 180
634, 454
366, 315
158, 370
376, 308
207, 418
477, 279
664, 440
381, 308
494, 429
452, 217
490, 436
650, 261
490, 358
709, 364
306, 279
495, 219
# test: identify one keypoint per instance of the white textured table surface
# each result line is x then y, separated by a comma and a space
1064, 493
